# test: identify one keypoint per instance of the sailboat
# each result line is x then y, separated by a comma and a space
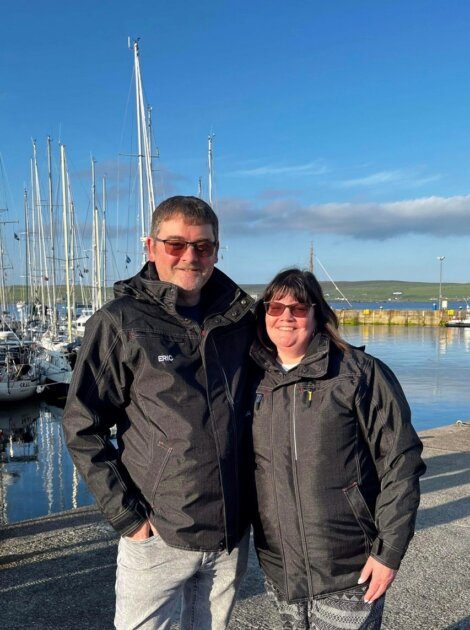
19, 377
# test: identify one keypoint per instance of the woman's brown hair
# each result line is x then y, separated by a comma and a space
305, 288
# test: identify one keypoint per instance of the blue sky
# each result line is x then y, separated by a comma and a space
343, 123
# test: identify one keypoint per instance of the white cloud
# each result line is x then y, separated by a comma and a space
310, 168
402, 177
383, 177
437, 216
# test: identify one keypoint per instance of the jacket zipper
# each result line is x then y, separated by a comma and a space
293, 422
230, 398
298, 501
235, 434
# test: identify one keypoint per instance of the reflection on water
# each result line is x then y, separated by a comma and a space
37, 476
432, 364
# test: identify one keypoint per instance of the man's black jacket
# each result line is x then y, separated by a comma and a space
175, 391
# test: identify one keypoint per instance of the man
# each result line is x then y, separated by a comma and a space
166, 362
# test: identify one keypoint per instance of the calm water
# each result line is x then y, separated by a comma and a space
432, 365
37, 476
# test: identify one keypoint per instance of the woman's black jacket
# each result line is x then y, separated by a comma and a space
337, 465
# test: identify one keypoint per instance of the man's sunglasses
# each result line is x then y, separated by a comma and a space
176, 247
297, 310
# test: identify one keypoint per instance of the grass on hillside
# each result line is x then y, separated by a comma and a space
382, 290
360, 291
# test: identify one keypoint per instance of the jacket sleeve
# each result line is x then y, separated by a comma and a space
96, 401
385, 417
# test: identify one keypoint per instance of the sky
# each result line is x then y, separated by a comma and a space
342, 123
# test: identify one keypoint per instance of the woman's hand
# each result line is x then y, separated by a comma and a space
380, 579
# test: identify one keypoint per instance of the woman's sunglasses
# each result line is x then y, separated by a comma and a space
297, 310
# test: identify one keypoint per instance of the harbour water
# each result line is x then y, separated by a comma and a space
38, 478
431, 363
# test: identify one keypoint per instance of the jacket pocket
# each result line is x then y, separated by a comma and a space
164, 456
361, 511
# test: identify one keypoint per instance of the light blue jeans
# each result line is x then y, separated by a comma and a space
152, 576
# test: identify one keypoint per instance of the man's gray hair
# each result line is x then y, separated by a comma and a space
193, 210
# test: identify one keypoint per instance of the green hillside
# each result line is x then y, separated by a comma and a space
382, 290
361, 291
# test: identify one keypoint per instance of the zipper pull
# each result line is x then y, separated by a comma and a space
307, 396
259, 398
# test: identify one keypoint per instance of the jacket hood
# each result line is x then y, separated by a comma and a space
220, 293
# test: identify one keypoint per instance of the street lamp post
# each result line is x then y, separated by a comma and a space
440, 259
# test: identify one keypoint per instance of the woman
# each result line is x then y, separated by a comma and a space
337, 464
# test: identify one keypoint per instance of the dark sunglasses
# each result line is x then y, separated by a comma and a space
176, 247
297, 309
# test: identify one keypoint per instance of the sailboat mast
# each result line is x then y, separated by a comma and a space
39, 268
209, 164
28, 259
44, 272
103, 243
34, 265
93, 238
151, 195
96, 263
3, 299
66, 241
140, 156
51, 236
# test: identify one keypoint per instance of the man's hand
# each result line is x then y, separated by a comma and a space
380, 579
143, 532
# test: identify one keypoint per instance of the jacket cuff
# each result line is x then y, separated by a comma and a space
386, 554
129, 519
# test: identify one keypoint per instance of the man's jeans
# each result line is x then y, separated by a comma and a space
151, 576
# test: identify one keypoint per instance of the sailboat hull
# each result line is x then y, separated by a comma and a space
17, 390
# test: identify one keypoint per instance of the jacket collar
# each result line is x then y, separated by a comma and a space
313, 365
220, 296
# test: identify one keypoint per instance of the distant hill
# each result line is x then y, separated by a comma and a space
382, 290
360, 291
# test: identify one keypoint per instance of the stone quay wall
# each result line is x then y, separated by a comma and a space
396, 317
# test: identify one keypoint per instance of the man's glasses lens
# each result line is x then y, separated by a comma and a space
177, 248
277, 308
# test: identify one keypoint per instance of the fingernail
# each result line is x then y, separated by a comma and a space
367, 601
361, 580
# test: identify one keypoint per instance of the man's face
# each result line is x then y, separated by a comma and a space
188, 270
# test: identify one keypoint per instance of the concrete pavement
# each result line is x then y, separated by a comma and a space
57, 572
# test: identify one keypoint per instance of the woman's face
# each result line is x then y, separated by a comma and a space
290, 334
